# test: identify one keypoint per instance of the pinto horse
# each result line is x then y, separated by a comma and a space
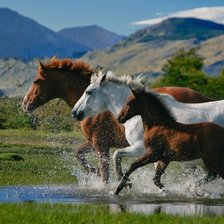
167, 140
68, 79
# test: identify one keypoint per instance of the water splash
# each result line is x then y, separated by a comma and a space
181, 183
178, 180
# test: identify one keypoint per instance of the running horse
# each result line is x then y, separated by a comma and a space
67, 79
109, 92
167, 140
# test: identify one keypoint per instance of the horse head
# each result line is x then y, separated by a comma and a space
92, 101
41, 90
58, 78
130, 108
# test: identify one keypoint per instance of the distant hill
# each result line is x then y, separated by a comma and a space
177, 29
149, 48
134, 54
94, 37
24, 38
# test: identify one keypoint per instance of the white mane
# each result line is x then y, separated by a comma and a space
138, 82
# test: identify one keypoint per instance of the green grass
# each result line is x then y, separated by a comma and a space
86, 214
42, 154
43, 164
10, 157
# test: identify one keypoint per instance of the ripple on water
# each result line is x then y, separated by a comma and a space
181, 194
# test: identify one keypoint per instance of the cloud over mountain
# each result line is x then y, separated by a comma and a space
215, 14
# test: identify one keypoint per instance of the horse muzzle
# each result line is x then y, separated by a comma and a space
27, 108
78, 116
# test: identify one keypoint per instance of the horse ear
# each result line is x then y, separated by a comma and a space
53, 58
98, 68
103, 78
135, 93
94, 77
42, 68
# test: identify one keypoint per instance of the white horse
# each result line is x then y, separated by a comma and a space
109, 92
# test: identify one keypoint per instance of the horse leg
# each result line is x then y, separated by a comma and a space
160, 168
135, 150
142, 161
86, 147
212, 173
104, 159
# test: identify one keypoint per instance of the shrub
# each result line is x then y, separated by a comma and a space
53, 116
185, 69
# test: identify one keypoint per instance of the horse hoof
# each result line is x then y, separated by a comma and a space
95, 171
161, 186
128, 185
123, 183
158, 183
118, 189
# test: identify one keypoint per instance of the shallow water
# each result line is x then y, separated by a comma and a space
132, 201
181, 194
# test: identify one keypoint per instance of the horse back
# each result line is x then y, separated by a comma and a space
183, 94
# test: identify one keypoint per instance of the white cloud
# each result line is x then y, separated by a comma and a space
215, 14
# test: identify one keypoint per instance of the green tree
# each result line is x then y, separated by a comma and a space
183, 69
215, 87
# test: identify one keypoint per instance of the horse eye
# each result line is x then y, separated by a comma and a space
36, 81
88, 92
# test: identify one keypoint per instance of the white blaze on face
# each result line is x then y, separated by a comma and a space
24, 103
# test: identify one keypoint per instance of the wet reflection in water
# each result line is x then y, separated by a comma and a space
132, 202
171, 208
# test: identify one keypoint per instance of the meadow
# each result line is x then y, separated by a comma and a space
39, 161
33, 150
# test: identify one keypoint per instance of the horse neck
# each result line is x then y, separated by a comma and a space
71, 87
154, 112
115, 96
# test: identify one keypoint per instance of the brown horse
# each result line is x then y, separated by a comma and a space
167, 140
67, 79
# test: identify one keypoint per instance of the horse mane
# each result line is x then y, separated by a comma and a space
140, 84
66, 65
159, 101
137, 82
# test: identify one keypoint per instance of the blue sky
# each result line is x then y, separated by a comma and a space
119, 16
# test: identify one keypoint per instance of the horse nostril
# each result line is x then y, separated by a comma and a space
78, 116
74, 114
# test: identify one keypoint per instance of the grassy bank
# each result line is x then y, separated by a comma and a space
94, 214
41, 162
40, 157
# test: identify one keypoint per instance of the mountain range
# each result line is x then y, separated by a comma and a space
24, 38
146, 50
149, 48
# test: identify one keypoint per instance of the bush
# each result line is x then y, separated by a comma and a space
12, 115
185, 69
53, 116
